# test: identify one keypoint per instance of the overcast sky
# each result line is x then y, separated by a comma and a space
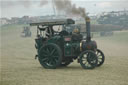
19, 8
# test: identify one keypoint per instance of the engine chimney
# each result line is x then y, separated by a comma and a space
87, 19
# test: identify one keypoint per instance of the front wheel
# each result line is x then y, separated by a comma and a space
100, 56
88, 59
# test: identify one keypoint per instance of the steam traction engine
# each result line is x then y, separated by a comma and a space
60, 48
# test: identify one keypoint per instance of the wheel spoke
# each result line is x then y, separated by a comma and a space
55, 56
50, 62
44, 52
100, 58
88, 55
85, 55
89, 65
56, 60
85, 62
45, 59
53, 51
47, 50
44, 55
99, 55
84, 59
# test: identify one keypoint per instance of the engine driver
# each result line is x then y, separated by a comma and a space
76, 36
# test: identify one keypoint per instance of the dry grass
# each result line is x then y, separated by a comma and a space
18, 66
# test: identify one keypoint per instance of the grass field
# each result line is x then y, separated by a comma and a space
18, 66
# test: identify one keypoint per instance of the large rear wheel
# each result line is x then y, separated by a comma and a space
50, 56
88, 59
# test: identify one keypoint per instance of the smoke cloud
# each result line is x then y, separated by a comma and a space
61, 5
69, 8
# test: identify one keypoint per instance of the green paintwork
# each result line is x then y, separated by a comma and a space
68, 49
54, 39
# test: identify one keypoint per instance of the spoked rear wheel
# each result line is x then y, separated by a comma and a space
50, 56
100, 56
88, 59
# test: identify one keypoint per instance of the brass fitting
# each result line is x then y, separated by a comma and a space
87, 19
